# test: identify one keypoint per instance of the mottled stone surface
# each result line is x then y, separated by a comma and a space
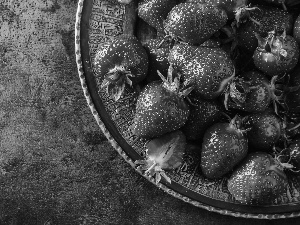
56, 167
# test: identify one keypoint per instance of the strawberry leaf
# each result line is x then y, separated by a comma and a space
166, 177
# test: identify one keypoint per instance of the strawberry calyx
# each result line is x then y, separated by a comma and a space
276, 94
115, 81
237, 90
272, 45
173, 83
236, 124
279, 89
242, 14
289, 131
282, 162
152, 168
279, 167
169, 38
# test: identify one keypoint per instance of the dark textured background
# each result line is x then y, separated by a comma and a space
56, 167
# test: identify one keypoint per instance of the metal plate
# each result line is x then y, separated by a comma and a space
100, 21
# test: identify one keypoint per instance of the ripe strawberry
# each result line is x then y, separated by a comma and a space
264, 130
161, 107
224, 146
276, 54
258, 180
261, 19
251, 92
209, 70
123, 61
211, 43
163, 153
154, 12
125, 1
181, 54
158, 58
194, 23
230, 6
202, 115
296, 30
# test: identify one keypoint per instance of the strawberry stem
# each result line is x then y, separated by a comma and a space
226, 115
294, 128
255, 21
226, 97
284, 6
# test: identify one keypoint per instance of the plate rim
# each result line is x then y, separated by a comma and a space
118, 148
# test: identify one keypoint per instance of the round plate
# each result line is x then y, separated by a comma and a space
100, 21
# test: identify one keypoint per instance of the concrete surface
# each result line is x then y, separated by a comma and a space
55, 165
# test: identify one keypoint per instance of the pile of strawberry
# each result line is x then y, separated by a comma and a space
223, 75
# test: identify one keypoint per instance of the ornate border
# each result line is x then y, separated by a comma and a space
128, 159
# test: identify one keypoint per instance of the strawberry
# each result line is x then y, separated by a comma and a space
224, 146
154, 12
194, 23
209, 70
296, 30
264, 130
163, 153
158, 58
230, 6
123, 61
211, 43
125, 1
250, 92
276, 54
258, 180
203, 114
181, 54
161, 107
260, 19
